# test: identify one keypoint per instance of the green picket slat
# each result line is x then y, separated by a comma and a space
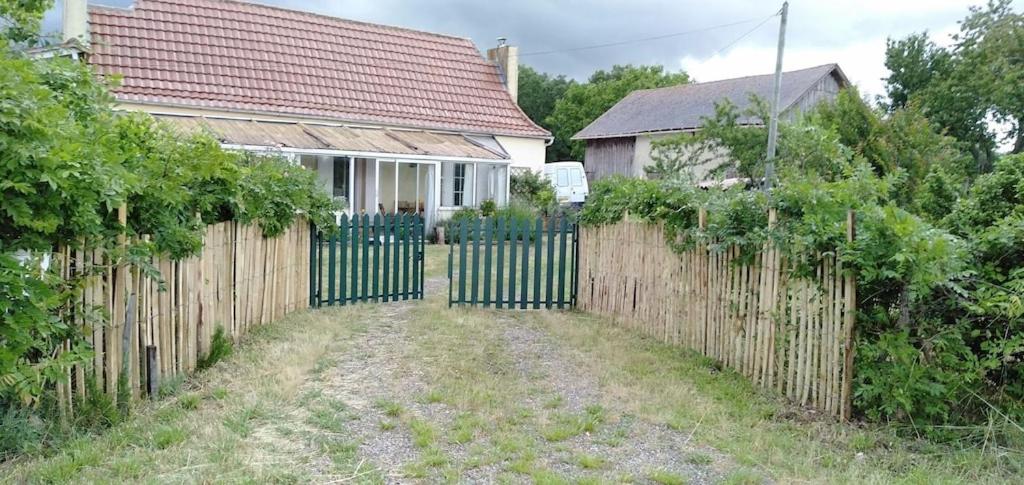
512, 273
395, 250
499, 280
561, 263
538, 237
575, 285
423, 254
376, 257
364, 240
342, 258
405, 257
386, 242
354, 263
314, 236
451, 254
416, 256
463, 234
549, 266
319, 270
524, 284
488, 248
331, 248
475, 272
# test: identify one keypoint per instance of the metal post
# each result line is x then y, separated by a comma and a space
351, 185
376, 184
397, 166
773, 124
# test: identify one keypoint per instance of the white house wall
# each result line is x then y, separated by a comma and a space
525, 152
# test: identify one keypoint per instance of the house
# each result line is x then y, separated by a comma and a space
619, 141
392, 119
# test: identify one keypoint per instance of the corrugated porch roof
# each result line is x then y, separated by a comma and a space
341, 138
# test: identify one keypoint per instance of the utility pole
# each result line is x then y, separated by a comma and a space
773, 123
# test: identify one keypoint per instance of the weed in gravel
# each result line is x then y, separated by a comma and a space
424, 433
590, 462
699, 458
742, 476
665, 477
464, 428
433, 396
389, 408
548, 477
328, 418
554, 403
567, 426
386, 425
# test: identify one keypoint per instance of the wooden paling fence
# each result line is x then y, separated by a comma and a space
159, 327
784, 332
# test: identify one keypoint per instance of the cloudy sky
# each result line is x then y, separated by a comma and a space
849, 32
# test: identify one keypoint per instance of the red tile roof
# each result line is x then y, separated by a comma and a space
232, 55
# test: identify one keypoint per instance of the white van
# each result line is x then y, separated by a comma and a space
569, 180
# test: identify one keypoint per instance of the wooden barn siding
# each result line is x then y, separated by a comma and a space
825, 89
609, 156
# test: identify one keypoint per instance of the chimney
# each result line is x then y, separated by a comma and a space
507, 59
75, 22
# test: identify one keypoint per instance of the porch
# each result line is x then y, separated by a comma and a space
374, 169
432, 188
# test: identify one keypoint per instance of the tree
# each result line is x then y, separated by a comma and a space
20, 19
583, 103
991, 45
962, 88
913, 63
538, 93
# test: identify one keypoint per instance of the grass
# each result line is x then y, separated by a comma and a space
222, 417
265, 414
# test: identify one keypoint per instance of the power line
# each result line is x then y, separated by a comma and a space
745, 34
646, 39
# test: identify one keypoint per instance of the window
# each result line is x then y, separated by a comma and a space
459, 184
309, 162
576, 177
340, 184
562, 177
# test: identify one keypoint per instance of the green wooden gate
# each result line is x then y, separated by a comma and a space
513, 263
368, 259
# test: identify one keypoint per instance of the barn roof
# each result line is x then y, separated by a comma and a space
238, 56
684, 107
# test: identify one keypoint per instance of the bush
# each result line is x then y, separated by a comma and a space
516, 213
533, 190
487, 208
72, 162
452, 225
221, 347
